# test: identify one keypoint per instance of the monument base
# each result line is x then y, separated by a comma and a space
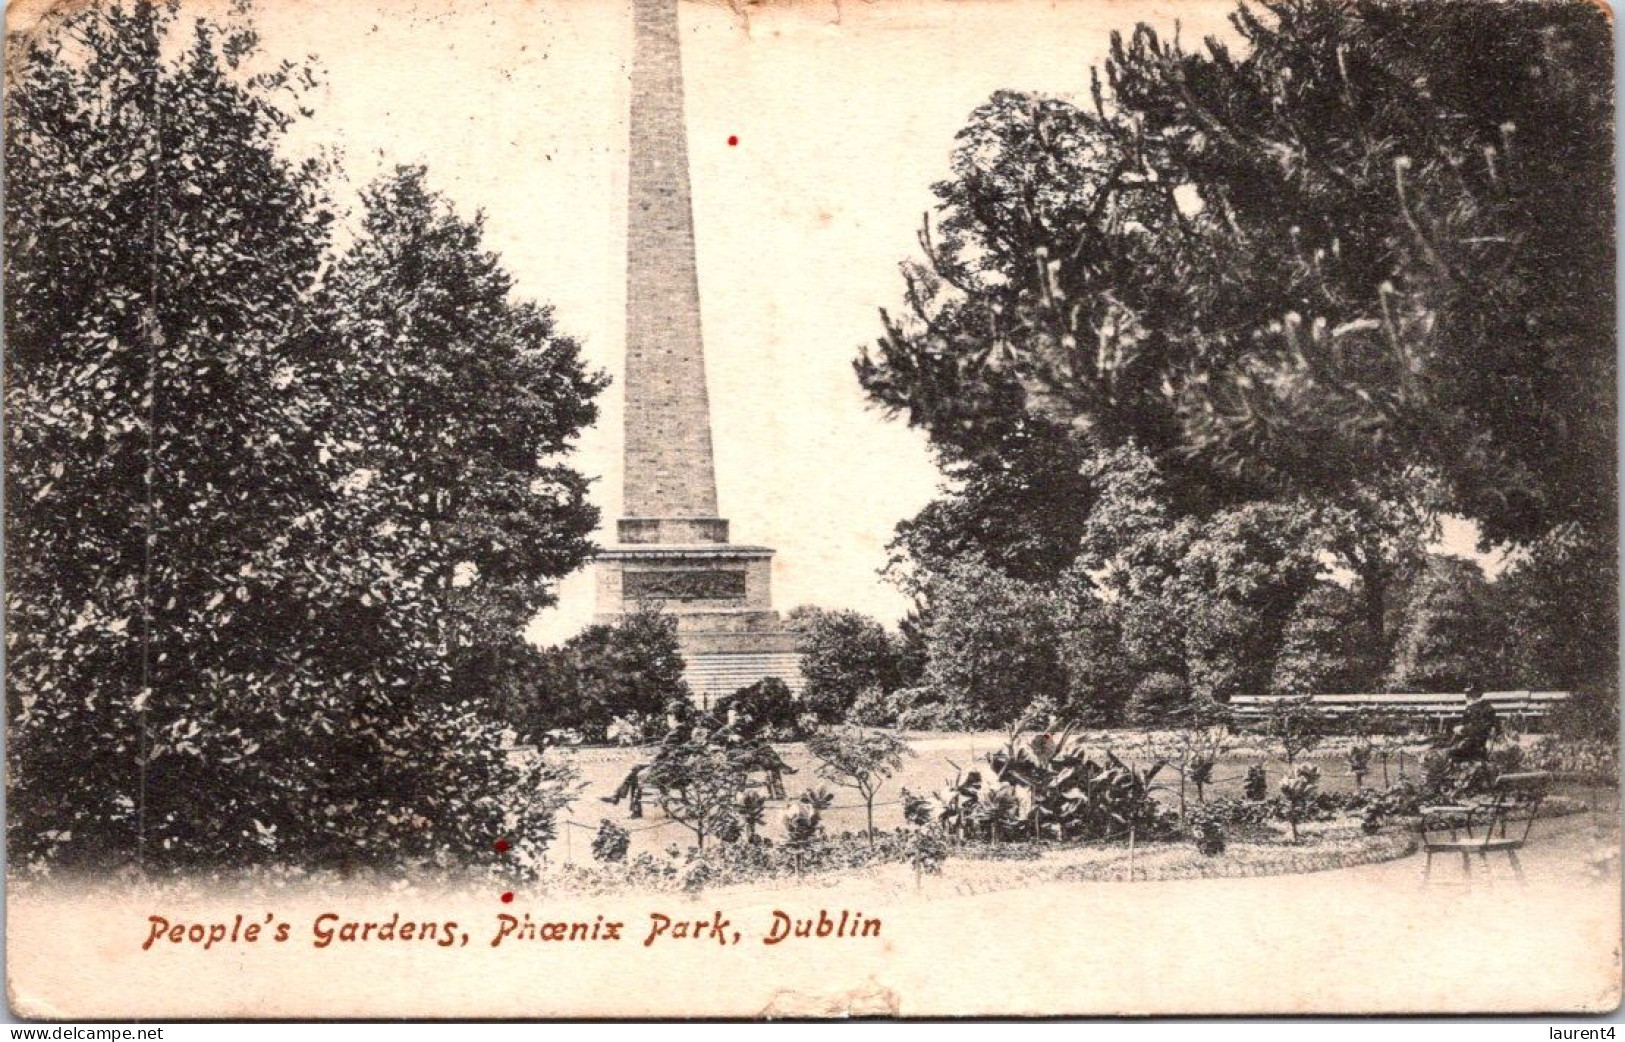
720, 595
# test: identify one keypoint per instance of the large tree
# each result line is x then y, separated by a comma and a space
467, 402
1378, 238
1450, 634
843, 654
216, 631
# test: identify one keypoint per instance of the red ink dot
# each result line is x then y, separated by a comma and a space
507, 898
501, 846
733, 139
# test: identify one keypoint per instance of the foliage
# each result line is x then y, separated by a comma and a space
1448, 626
1158, 700
224, 638
1016, 496
873, 708
466, 402
803, 820
1050, 789
992, 646
611, 842
632, 669
858, 759
1299, 789
1203, 737
700, 786
1206, 831
764, 707
1325, 648
1320, 259
1099, 675
1256, 785
1295, 725
1559, 608
843, 655
752, 813
1358, 759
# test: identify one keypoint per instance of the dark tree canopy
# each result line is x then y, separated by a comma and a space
1376, 237
225, 622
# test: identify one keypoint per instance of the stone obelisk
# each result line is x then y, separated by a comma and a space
672, 548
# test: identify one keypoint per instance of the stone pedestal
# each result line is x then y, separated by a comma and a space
719, 592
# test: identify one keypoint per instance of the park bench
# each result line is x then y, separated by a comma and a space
1499, 824
1518, 708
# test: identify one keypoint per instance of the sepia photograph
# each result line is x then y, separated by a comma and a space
806, 509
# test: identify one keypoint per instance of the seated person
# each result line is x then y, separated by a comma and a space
1478, 725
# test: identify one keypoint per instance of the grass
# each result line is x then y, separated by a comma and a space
938, 757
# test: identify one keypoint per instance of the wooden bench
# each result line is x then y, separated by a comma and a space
1436, 709
1499, 824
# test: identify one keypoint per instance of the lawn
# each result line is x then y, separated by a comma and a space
937, 758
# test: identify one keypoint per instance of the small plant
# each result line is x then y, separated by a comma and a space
858, 759
611, 843
927, 850
802, 823
1358, 759
1256, 787
1295, 725
700, 786
1299, 790
751, 813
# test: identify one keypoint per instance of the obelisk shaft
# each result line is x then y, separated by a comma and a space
669, 468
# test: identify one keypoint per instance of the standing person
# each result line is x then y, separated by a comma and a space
1478, 725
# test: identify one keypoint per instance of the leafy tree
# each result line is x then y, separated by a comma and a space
1559, 608
1324, 647
860, 759
1018, 503
1158, 699
843, 654
1320, 262
468, 402
1449, 633
700, 787
992, 645
1239, 582
1295, 725
633, 668
1099, 675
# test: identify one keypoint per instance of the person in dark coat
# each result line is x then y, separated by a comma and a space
1478, 725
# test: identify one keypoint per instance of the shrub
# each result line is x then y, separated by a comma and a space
1299, 790
860, 760
1256, 787
1358, 759
874, 707
1207, 830
1157, 699
765, 707
700, 786
611, 843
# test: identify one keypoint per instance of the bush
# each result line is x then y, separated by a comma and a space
1157, 699
1207, 830
611, 843
1256, 787
873, 707
764, 708
1299, 790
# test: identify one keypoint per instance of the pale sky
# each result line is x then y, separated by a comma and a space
845, 115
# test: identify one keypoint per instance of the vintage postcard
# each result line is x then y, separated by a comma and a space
757, 509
